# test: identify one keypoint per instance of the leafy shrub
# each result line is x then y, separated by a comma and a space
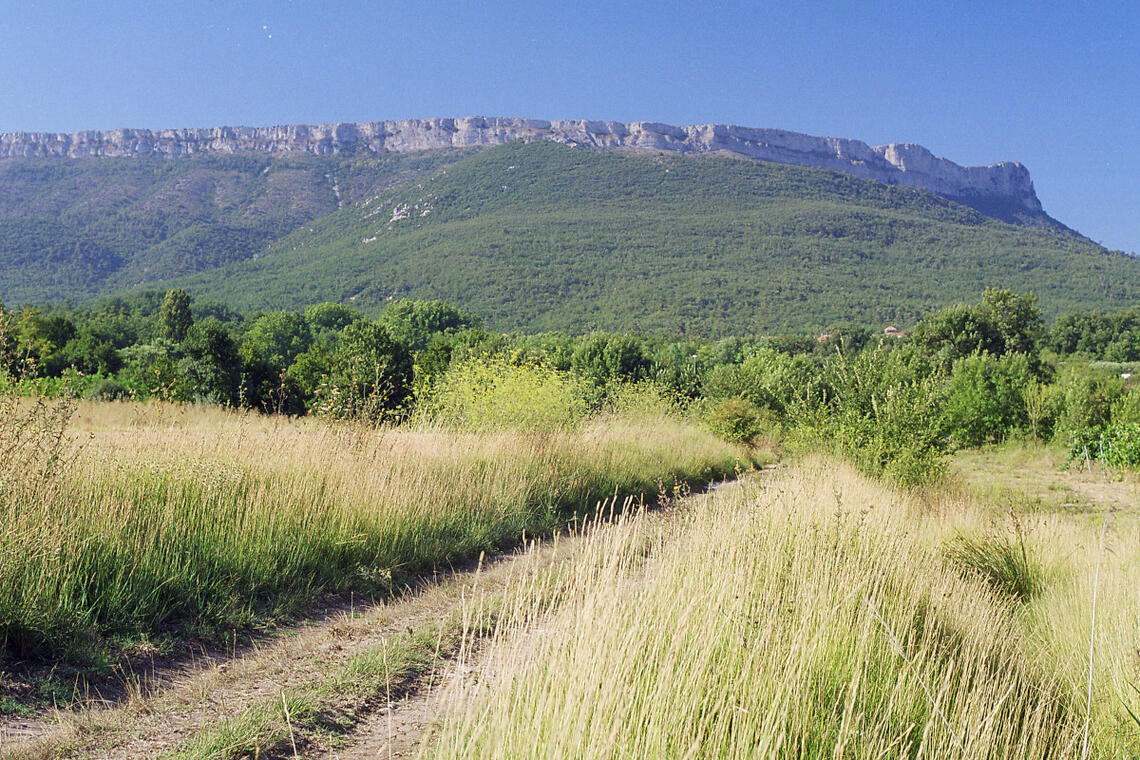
736, 419
1043, 404
603, 358
1126, 408
1116, 445
415, 322
769, 379
109, 389
1088, 398
280, 337
985, 398
491, 393
370, 375
643, 399
880, 410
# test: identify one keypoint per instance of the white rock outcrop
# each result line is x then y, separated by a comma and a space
897, 163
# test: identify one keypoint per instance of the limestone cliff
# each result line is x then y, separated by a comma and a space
1006, 183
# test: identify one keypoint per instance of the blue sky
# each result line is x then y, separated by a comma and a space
1054, 85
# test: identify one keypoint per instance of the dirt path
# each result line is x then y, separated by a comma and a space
145, 727
395, 731
188, 700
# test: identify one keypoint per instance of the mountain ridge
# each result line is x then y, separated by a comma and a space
538, 236
1003, 189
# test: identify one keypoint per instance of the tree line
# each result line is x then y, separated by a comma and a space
962, 376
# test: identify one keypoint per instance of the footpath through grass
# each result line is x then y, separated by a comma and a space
160, 520
822, 615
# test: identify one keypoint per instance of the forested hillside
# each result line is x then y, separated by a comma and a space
74, 229
534, 236
541, 236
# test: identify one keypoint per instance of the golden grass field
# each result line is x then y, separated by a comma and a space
818, 614
131, 520
801, 612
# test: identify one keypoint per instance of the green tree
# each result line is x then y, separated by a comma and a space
174, 318
1088, 397
212, 365
1017, 319
1003, 323
957, 332
414, 322
151, 370
310, 372
39, 341
279, 337
986, 398
371, 374
602, 357
326, 319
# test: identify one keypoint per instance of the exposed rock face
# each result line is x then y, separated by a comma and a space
897, 164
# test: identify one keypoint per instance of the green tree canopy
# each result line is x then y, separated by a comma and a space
279, 337
415, 322
174, 316
371, 373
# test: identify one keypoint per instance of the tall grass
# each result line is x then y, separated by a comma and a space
1003, 562
811, 617
186, 519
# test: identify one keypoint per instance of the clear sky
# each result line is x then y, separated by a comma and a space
1052, 84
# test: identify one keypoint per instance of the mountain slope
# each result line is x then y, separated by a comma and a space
85, 227
1003, 190
536, 235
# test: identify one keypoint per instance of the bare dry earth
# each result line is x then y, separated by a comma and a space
1039, 477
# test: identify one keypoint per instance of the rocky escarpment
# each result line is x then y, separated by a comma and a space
1006, 184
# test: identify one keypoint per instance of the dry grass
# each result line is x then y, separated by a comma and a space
157, 516
815, 616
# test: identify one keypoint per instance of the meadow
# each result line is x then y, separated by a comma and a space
127, 522
815, 614
941, 565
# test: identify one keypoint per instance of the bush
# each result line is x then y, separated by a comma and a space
736, 419
1116, 445
643, 399
370, 375
880, 411
490, 393
1088, 398
985, 398
768, 379
603, 358
1126, 408
1043, 404
109, 389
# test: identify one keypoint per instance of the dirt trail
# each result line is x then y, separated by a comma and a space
187, 698
397, 730
148, 727
394, 732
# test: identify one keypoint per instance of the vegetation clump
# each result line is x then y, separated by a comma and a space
1002, 562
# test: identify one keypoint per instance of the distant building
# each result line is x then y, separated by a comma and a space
822, 337
893, 332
